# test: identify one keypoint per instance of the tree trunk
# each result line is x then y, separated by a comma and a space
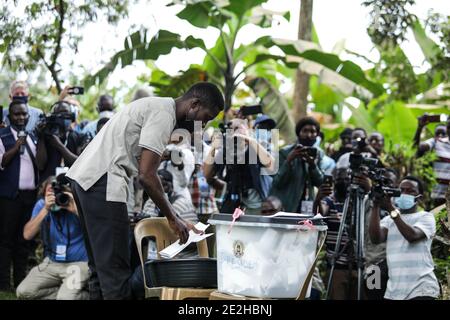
301, 78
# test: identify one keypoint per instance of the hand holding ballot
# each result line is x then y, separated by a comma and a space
175, 248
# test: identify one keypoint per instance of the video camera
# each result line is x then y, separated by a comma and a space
53, 124
380, 188
358, 163
59, 186
359, 143
369, 166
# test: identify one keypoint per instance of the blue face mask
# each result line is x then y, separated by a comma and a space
405, 201
23, 99
67, 123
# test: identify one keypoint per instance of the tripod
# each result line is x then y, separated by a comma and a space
355, 198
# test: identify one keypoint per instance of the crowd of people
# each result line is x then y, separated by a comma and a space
127, 165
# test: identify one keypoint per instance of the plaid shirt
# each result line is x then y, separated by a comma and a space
202, 204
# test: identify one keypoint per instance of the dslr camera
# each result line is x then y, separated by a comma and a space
60, 185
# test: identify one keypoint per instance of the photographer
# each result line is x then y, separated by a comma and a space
408, 233
18, 180
376, 141
330, 203
346, 144
58, 143
245, 184
299, 171
375, 254
441, 145
360, 146
64, 272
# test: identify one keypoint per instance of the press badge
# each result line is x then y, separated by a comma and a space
60, 253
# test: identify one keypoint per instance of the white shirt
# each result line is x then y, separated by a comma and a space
26, 175
116, 150
182, 177
410, 264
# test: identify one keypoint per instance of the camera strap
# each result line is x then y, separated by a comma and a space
33, 160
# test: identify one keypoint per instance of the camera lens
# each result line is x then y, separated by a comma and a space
62, 199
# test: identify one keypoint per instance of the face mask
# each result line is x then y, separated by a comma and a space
106, 114
306, 142
23, 99
67, 123
263, 135
405, 201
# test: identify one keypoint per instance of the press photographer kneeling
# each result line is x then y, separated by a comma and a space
64, 272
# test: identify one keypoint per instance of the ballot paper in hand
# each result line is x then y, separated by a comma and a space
175, 248
290, 214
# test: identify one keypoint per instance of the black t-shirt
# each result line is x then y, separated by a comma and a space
74, 142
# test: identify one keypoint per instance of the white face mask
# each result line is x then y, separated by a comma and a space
106, 114
405, 201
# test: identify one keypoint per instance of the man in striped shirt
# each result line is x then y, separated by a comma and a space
408, 234
441, 145
181, 204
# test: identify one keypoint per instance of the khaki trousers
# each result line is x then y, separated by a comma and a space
55, 280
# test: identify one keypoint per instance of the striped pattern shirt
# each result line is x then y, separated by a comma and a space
333, 223
441, 166
181, 205
410, 264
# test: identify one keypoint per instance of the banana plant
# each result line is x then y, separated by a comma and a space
226, 63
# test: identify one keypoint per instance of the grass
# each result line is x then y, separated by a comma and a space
7, 295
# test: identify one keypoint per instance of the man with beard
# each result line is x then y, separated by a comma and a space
299, 172
130, 145
18, 179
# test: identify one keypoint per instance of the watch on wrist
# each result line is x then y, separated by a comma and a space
394, 213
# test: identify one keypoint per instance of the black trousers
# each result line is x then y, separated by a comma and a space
106, 233
14, 214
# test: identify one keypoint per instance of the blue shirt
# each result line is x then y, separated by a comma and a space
61, 225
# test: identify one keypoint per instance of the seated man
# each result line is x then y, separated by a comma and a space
184, 208
181, 204
64, 272
408, 233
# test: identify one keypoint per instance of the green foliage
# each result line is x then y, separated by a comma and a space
168, 86
347, 69
273, 103
390, 20
398, 123
47, 28
402, 157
